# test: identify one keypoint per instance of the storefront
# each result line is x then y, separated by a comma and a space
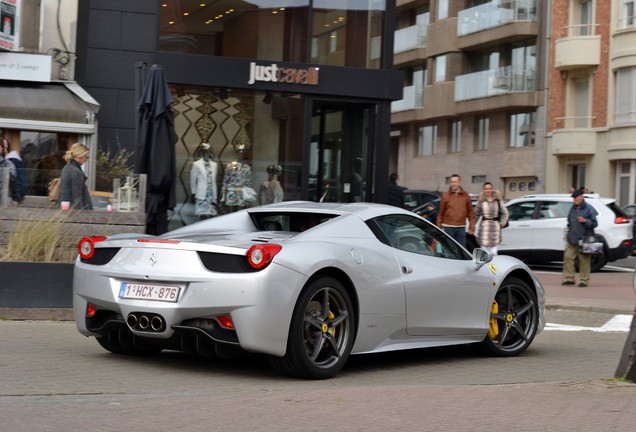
293, 91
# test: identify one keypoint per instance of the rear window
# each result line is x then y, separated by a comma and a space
617, 210
289, 221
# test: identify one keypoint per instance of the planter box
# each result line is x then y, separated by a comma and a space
36, 285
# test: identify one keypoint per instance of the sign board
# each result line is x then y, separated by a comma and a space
25, 67
10, 11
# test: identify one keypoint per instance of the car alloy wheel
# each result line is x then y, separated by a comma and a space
321, 332
514, 319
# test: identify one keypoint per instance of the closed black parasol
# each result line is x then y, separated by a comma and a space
155, 154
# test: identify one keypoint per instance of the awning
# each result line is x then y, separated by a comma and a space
47, 102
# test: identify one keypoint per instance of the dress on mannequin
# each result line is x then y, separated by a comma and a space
203, 184
237, 176
271, 190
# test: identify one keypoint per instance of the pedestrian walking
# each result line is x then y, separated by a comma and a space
396, 193
454, 208
73, 188
494, 215
581, 224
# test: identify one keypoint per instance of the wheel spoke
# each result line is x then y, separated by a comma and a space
319, 341
504, 334
520, 330
314, 321
324, 313
339, 319
525, 308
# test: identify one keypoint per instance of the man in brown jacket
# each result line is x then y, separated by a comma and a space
454, 208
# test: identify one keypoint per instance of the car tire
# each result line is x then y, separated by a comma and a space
122, 341
321, 333
514, 320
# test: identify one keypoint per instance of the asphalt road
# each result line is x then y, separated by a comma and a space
54, 379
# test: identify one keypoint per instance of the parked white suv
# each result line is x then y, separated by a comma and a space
536, 235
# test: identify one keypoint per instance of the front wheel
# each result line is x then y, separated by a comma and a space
321, 332
514, 319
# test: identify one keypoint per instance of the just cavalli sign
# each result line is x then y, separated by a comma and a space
286, 75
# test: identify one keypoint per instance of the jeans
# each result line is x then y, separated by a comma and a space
459, 234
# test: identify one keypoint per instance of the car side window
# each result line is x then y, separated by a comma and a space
554, 209
521, 211
410, 234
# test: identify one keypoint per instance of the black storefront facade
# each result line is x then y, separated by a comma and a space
297, 90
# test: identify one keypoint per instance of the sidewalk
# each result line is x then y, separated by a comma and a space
607, 292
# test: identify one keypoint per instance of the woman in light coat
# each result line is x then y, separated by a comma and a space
494, 215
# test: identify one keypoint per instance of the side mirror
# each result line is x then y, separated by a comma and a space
481, 257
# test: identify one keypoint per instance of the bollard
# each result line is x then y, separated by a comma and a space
627, 365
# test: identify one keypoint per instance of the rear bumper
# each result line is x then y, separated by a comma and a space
624, 250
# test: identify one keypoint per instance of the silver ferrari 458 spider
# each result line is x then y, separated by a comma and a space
306, 284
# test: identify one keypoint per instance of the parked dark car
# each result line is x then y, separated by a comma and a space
414, 198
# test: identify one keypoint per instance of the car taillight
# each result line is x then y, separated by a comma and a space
259, 256
86, 246
622, 220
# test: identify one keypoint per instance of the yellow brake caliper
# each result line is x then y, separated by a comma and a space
325, 326
493, 327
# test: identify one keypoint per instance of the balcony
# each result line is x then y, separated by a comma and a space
582, 141
578, 47
493, 82
412, 37
412, 99
495, 14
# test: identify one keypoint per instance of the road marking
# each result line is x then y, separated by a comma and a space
619, 323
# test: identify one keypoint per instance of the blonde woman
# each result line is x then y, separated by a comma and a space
494, 215
73, 181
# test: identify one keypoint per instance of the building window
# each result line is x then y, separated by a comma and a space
532, 186
626, 95
578, 176
440, 68
442, 9
522, 186
578, 105
479, 179
427, 140
522, 129
456, 136
585, 24
483, 129
339, 33
627, 14
512, 186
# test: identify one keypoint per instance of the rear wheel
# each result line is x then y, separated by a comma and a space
321, 332
514, 319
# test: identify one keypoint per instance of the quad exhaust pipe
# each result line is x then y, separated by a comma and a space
148, 322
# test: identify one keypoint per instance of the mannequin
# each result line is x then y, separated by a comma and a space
237, 176
203, 184
271, 190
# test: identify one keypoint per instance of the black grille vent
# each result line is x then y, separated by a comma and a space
225, 263
101, 256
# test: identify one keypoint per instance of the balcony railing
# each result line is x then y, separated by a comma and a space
412, 99
495, 14
412, 37
494, 82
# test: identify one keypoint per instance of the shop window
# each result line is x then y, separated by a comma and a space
229, 140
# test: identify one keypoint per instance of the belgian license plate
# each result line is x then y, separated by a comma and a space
149, 292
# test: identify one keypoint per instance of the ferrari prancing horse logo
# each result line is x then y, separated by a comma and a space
153, 259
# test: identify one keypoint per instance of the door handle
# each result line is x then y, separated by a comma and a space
406, 270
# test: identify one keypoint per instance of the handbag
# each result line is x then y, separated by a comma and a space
54, 189
248, 194
590, 246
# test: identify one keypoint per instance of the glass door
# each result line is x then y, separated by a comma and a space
340, 160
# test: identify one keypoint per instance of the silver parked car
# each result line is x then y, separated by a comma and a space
536, 228
306, 284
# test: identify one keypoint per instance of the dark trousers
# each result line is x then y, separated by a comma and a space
459, 234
